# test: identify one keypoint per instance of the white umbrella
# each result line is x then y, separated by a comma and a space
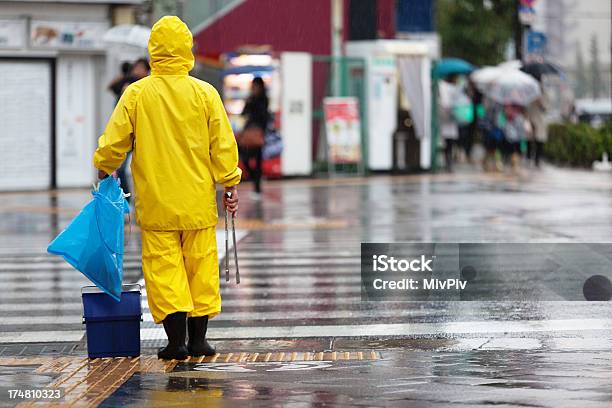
513, 87
129, 34
485, 76
512, 64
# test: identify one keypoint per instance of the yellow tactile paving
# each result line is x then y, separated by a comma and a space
287, 357
87, 382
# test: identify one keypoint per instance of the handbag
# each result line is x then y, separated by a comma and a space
273, 146
251, 138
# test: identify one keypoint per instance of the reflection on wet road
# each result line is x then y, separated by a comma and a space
402, 379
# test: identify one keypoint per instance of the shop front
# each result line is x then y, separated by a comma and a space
53, 98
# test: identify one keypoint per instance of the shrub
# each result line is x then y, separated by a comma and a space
577, 145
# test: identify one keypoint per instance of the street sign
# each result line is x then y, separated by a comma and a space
526, 15
536, 42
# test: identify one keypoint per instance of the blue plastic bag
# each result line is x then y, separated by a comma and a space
93, 241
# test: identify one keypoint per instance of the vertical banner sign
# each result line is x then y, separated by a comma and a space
343, 128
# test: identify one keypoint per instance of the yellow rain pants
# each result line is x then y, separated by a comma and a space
181, 272
182, 144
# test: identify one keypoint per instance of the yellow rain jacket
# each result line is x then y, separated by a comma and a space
180, 135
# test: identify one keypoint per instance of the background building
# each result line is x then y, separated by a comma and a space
578, 35
54, 68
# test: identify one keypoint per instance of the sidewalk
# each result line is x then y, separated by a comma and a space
416, 372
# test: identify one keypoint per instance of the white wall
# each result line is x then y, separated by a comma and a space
296, 113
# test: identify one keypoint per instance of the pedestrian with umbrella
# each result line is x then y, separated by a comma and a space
454, 107
449, 128
514, 90
536, 110
493, 121
516, 130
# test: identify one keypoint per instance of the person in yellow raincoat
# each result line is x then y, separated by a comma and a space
182, 144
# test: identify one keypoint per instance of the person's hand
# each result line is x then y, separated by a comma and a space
231, 204
102, 175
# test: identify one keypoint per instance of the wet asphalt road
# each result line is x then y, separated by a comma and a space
301, 290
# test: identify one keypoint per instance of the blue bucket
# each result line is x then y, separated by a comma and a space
113, 328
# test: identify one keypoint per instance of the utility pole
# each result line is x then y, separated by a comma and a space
337, 17
518, 32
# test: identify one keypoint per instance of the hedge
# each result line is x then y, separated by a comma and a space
577, 145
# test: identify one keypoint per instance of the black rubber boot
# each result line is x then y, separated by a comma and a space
174, 325
197, 345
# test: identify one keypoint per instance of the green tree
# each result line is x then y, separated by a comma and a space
596, 82
476, 30
581, 86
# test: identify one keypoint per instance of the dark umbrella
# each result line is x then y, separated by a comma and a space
537, 69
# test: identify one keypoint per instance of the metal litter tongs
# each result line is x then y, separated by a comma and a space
227, 273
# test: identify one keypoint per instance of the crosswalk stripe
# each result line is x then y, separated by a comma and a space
53, 276
231, 292
400, 329
267, 270
246, 255
304, 300
246, 282
286, 263
50, 266
225, 316
41, 336
232, 295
